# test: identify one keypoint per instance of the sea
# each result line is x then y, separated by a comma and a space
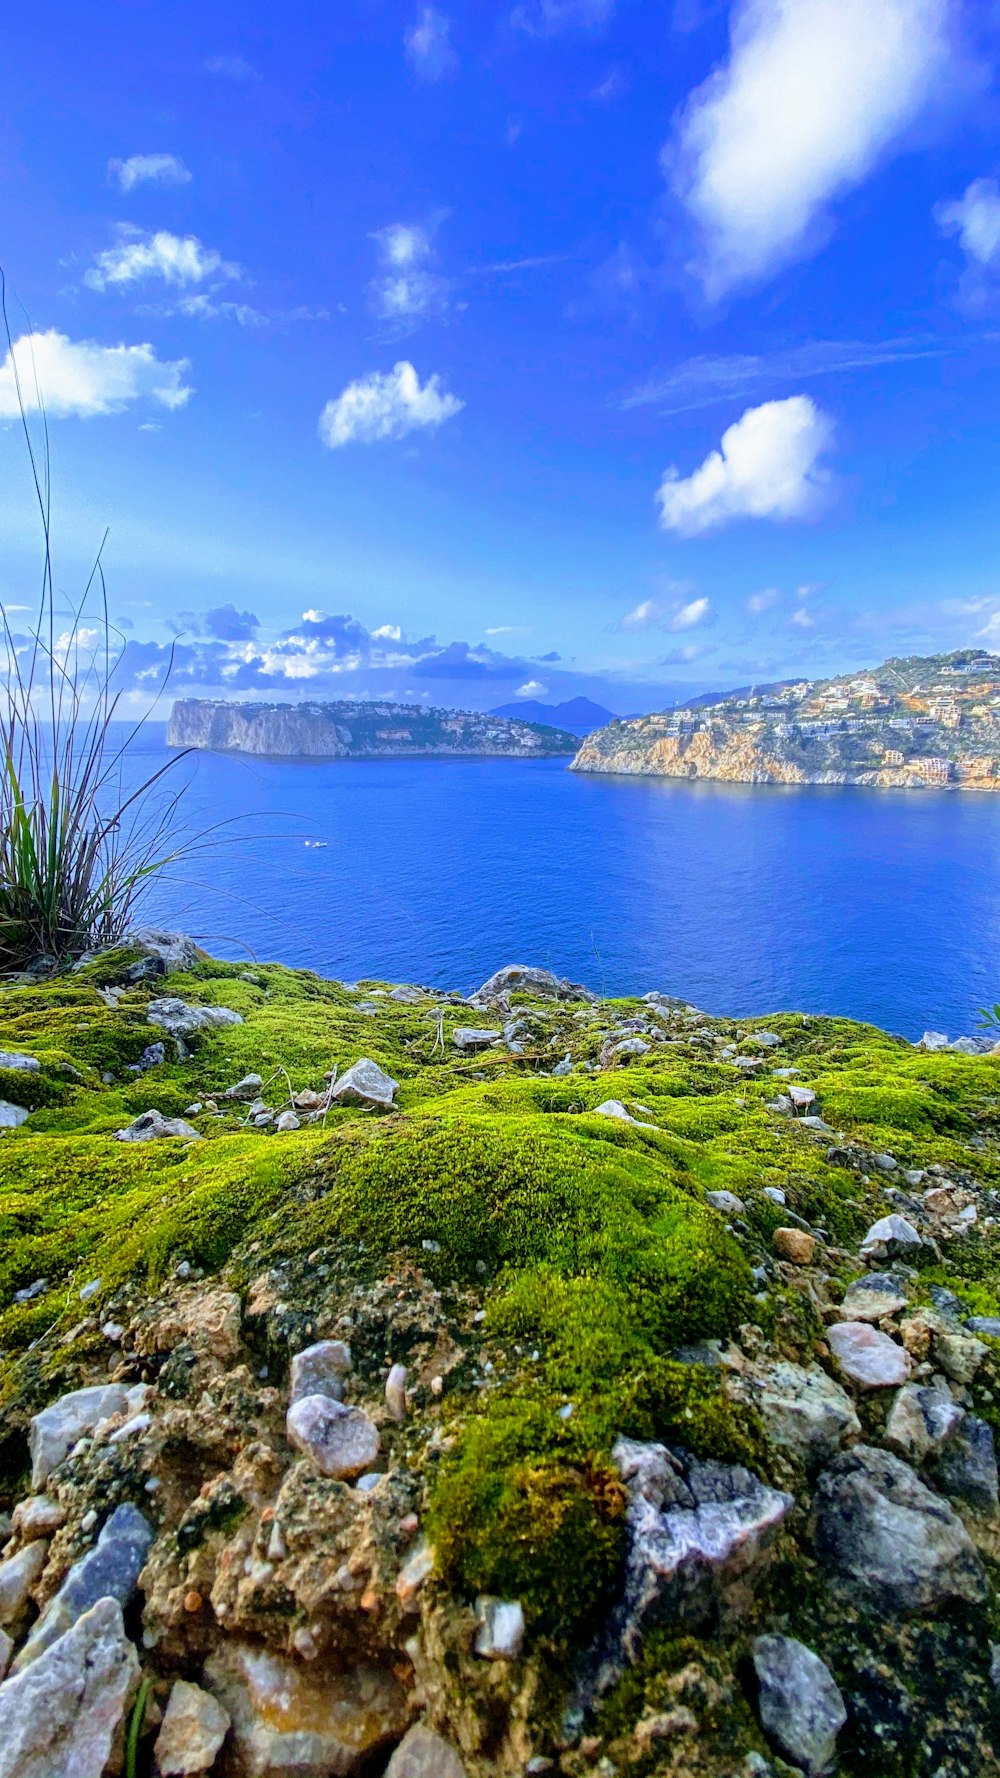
881, 905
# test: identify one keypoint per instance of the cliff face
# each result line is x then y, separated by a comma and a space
918, 723
357, 731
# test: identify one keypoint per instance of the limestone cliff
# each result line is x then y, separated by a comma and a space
354, 730
923, 723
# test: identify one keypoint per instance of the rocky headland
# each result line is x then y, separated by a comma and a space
358, 730
925, 722
401, 1382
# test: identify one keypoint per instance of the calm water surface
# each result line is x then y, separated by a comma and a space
884, 905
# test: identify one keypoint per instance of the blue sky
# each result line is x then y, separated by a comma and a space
463, 352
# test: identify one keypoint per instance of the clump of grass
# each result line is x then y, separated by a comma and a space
78, 846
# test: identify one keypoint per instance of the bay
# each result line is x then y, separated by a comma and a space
879, 905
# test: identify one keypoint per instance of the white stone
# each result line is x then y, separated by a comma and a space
365, 1083
152, 1126
59, 1718
56, 1429
37, 1516
287, 1121
867, 1357
12, 1059
726, 1202
800, 1704
17, 1577
320, 1370
193, 1729
180, 1020
12, 1116
340, 1441
890, 1236
395, 1392
423, 1754
500, 1632
469, 1037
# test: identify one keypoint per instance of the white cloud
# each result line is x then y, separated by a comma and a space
428, 45
403, 243
82, 378
690, 615
386, 405
653, 614
813, 95
408, 292
802, 620
177, 259
545, 18
232, 68
767, 467
388, 633
533, 688
148, 169
975, 218
760, 602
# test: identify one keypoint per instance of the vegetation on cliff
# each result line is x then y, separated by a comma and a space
355, 729
550, 1257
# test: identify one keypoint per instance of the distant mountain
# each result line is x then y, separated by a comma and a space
923, 721
579, 715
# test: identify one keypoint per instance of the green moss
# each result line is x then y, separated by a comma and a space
525, 1513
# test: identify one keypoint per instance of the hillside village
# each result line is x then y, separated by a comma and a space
922, 721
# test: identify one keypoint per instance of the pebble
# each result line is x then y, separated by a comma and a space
340, 1442
501, 1629
867, 1357
727, 1202
395, 1392
287, 1121
193, 1729
795, 1245
800, 1704
321, 1370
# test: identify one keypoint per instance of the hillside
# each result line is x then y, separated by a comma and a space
477, 1388
350, 730
579, 715
920, 722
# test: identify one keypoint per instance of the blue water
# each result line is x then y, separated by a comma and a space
883, 905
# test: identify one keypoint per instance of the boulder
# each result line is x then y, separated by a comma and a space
180, 1020
12, 1116
291, 1718
799, 1702
469, 1038
14, 1059
984, 1324
320, 1370
55, 1430
805, 1411
423, 1754
152, 1126
108, 1571
697, 1535
364, 1083
888, 1540
339, 1441
60, 1717
541, 984
866, 1357
193, 1729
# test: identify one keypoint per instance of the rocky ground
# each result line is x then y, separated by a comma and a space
398, 1383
